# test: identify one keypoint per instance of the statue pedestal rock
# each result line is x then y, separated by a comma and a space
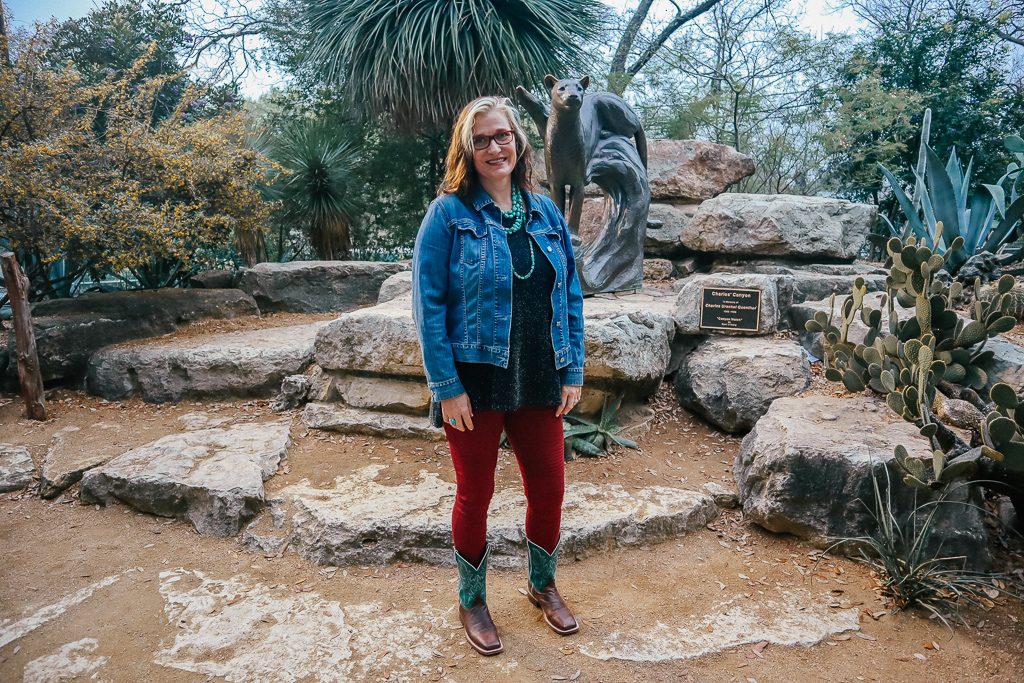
596, 138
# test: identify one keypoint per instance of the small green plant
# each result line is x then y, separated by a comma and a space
594, 439
909, 575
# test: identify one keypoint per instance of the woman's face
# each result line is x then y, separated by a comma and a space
495, 161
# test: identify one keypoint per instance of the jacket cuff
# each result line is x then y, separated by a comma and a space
450, 388
572, 376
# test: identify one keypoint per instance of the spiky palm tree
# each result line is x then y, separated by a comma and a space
419, 61
315, 188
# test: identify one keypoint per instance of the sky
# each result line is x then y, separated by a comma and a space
819, 18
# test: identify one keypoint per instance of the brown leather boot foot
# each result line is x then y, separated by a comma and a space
481, 632
556, 613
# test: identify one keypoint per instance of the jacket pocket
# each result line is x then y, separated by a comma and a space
472, 243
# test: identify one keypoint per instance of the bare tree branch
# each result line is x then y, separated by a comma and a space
620, 76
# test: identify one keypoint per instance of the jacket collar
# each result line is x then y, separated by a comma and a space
479, 199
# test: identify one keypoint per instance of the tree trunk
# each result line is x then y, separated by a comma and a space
5, 48
29, 377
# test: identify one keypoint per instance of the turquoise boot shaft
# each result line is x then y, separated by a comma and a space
542, 564
472, 580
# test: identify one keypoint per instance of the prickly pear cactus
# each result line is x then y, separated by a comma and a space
1003, 429
906, 361
1015, 295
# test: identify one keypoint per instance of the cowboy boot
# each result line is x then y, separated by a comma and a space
480, 630
542, 592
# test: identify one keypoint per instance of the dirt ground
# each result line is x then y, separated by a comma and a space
53, 549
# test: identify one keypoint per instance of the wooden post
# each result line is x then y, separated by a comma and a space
29, 376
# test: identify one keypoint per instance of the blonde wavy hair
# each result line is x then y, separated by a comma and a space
460, 174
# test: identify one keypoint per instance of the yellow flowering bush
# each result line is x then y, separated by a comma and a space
87, 175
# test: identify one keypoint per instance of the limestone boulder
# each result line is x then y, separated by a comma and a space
16, 467
776, 294
317, 286
693, 170
377, 340
335, 417
246, 363
680, 170
211, 477
365, 521
395, 286
665, 240
780, 225
69, 331
808, 466
732, 381
628, 341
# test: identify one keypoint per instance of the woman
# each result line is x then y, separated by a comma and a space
499, 313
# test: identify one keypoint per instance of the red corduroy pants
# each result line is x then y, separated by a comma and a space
535, 435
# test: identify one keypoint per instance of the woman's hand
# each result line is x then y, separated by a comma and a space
570, 397
459, 409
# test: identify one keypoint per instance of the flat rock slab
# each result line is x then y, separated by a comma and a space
316, 286
780, 225
814, 281
807, 469
776, 293
238, 629
72, 452
731, 381
69, 331
361, 521
787, 619
236, 364
211, 477
334, 417
16, 467
627, 340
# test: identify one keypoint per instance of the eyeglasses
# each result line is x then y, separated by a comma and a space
502, 137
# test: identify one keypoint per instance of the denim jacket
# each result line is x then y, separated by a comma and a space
462, 288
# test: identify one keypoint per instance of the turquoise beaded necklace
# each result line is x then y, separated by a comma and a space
517, 214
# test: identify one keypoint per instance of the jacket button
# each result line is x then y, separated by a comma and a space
558, 285
558, 323
549, 248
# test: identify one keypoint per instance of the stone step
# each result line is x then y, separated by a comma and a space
361, 521
235, 364
211, 477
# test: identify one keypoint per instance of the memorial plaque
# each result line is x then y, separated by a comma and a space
732, 309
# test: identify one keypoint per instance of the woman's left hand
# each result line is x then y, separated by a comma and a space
570, 397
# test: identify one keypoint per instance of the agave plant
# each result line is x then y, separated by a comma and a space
941, 197
315, 186
594, 439
420, 62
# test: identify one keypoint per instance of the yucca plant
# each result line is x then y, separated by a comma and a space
912, 575
419, 62
942, 196
315, 186
594, 439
